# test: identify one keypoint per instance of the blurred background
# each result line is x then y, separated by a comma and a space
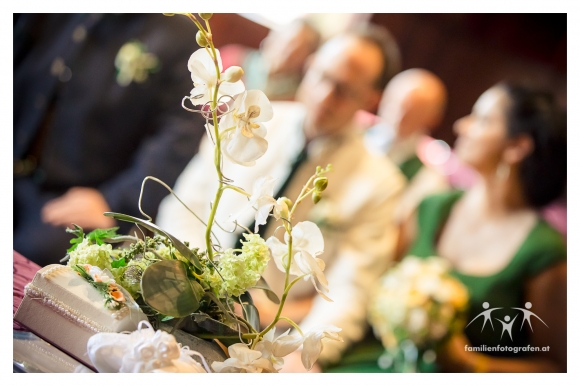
469, 52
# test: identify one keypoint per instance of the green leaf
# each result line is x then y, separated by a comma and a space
78, 231
118, 263
167, 289
251, 313
166, 318
154, 228
98, 235
211, 296
204, 326
261, 284
79, 268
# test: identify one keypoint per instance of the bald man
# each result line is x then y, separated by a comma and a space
412, 105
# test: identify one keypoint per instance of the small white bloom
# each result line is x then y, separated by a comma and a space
243, 140
312, 346
261, 199
275, 349
243, 359
307, 243
204, 77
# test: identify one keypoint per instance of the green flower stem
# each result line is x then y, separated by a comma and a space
218, 153
210, 336
239, 190
302, 195
292, 323
277, 317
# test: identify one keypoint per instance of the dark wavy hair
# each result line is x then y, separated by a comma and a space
535, 113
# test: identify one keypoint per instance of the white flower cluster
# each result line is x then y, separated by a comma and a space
417, 300
142, 351
267, 357
93, 254
239, 272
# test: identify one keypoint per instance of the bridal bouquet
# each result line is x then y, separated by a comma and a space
197, 290
415, 306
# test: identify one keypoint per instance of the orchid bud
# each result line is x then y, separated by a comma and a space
233, 74
282, 209
321, 183
201, 40
205, 16
316, 196
287, 201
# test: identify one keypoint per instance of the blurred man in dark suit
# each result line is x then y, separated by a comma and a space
97, 107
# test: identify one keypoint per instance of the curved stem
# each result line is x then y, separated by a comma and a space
239, 190
277, 317
301, 195
248, 325
292, 323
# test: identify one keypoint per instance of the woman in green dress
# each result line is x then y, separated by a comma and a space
511, 261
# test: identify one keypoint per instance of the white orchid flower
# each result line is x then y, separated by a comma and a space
243, 132
307, 243
204, 77
275, 349
263, 201
243, 360
312, 346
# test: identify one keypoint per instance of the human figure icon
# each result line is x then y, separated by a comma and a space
486, 315
507, 326
527, 315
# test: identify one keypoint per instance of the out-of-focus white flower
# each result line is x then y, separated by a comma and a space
261, 199
275, 349
419, 299
313, 346
243, 132
243, 360
204, 77
307, 243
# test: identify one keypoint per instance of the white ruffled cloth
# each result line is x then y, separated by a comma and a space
142, 351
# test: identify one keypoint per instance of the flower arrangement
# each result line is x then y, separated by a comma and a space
415, 306
196, 290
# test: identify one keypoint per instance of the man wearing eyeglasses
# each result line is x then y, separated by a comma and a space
355, 214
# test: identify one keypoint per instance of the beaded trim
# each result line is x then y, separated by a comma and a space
64, 310
53, 270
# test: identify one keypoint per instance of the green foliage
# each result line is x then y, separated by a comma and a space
98, 236
118, 263
167, 289
80, 235
182, 248
263, 285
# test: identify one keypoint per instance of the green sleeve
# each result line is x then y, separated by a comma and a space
546, 247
